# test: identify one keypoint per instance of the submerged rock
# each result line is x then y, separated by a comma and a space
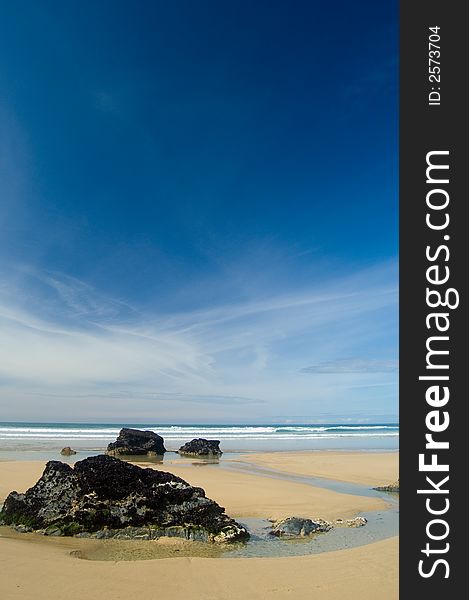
67, 451
297, 526
355, 522
393, 487
201, 447
105, 497
132, 442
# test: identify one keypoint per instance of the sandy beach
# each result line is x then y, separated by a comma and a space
366, 468
45, 570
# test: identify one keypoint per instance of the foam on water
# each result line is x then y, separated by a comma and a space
21, 437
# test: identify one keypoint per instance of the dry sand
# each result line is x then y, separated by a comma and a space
46, 571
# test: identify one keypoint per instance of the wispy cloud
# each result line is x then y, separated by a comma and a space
132, 395
68, 347
353, 365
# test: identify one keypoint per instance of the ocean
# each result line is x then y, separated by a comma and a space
92, 437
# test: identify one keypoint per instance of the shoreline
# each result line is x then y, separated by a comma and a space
233, 437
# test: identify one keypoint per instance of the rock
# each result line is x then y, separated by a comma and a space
67, 451
201, 447
22, 529
136, 442
356, 522
296, 526
108, 498
53, 530
393, 487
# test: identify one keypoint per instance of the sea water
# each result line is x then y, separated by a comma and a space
92, 437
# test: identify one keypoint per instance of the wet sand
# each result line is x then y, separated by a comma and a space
365, 468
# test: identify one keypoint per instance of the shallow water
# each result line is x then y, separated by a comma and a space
342, 487
381, 525
122, 550
45, 455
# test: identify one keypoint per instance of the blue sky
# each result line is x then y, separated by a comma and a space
198, 211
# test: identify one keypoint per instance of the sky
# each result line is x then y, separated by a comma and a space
198, 211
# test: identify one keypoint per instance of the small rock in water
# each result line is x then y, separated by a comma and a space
356, 522
299, 527
393, 487
67, 451
201, 447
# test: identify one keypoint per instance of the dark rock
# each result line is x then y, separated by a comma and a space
393, 487
296, 526
136, 442
106, 497
201, 447
67, 451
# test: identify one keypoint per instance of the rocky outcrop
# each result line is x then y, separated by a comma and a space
106, 497
201, 447
298, 527
67, 451
393, 487
133, 442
